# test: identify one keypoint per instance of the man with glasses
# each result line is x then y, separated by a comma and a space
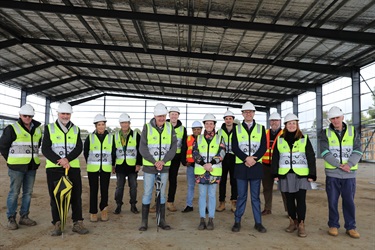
249, 146
19, 145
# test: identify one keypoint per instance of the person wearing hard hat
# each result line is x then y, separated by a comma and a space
19, 145
249, 146
228, 163
294, 167
181, 135
60, 157
128, 162
340, 147
158, 146
188, 161
208, 153
271, 135
99, 151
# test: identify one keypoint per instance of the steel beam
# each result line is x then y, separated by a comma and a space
338, 35
8, 43
45, 86
24, 71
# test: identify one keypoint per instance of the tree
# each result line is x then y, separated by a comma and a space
371, 110
325, 120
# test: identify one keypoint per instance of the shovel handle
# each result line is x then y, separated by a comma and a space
66, 171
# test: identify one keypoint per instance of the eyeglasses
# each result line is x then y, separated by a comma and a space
27, 116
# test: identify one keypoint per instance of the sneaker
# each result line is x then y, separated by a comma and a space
171, 207
187, 209
353, 233
25, 220
56, 229
104, 214
93, 217
12, 224
333, 231
260, 228
78, 227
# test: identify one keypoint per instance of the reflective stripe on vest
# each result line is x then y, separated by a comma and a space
179, 134
227, 140
63, 144
189, 152
100, 154
130, 147
341, 150
158, 143
248, 144
267, 157
293, 159
208, 152
25, 147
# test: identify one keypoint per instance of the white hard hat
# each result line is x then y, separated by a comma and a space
209, 117
275, 116
248, 106
27, 109
124, 117
335, 112
99, 118
65, 108
174, 109
290, 117
160, 109
197, 124
229, 113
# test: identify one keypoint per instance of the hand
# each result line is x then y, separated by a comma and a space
137, 168
208, 167
276, 179
113, 169
250, 161
309, 179
64, 163
159, 165
345, 168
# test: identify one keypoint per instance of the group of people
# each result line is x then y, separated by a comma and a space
247, 151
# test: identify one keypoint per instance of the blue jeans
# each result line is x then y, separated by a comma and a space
242, 198
148, 185
190, 177
203, 190
18, 179
346, 188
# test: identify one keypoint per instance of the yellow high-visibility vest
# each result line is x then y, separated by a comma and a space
249, 144
100, 153
208, 152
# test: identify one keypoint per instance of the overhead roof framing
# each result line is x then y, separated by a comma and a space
223, 52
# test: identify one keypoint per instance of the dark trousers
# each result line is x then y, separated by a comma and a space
132, 183
346, 188
94, 179
296, 203
172, 178
242, 198
228, 164
267, 183
53, 176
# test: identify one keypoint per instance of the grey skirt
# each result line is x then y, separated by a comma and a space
292, 183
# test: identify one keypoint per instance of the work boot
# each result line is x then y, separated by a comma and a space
333, 231
353, 233
234, 206
118, 209
56, 229
104, 214
210, 224
145, 211
260, 228
292, 225
134, 209
12, 224
266, 212
202, 224
162, 224
221, 206
171, 207
187, 209
301, 229
25, 220
153, 209
236, 227
93, 217
78, 227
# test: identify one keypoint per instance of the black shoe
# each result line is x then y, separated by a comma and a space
236, 227
260, 228
134, 209
187, 209
117, 210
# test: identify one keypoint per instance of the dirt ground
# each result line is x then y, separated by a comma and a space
121, 231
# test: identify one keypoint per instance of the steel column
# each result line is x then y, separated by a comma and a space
319, 117
356, 98
47, 110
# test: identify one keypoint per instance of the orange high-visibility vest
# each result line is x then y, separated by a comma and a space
189, 152
267, 157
